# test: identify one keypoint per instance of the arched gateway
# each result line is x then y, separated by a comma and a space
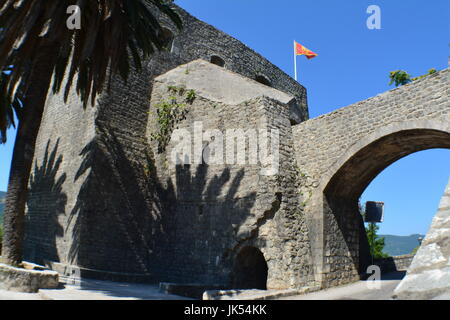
343, 151
355, 170
127, 211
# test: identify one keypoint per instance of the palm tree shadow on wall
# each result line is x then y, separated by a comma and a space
125, 220
113, 217
207, 211
46, 202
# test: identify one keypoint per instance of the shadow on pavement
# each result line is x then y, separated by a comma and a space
395, 275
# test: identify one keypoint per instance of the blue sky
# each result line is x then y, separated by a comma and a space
353, 65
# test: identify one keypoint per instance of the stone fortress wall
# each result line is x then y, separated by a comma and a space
341, 152
96, 208
106, 202
220, 210
395, 263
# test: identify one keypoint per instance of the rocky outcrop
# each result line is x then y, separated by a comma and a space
428, 277
29, 279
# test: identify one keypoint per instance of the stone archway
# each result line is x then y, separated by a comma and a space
345, 249
250, 269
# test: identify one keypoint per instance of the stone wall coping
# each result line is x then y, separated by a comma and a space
219, 84
397, 90
26, 280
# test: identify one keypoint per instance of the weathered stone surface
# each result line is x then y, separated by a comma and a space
230, 205
92, 200
217, 84
104, 197
341, 152
428, 277
194, 291
26, 280
255, 294
396, 263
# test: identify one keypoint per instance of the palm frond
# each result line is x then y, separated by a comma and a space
114, 35
9, 109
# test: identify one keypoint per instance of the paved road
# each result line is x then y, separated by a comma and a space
94, 290
106, 290
357, 291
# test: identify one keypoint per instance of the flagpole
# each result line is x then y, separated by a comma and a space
295, 63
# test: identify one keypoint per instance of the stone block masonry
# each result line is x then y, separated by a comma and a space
341, 152
229, 207
105, 198
27, 280
396, 263
93, 202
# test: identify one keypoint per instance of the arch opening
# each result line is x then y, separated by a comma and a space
217, 61
263, 80
250, 270
360, 169
343, 229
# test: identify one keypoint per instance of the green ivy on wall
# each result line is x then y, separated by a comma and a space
169, 112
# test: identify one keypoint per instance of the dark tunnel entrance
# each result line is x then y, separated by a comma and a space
250, 270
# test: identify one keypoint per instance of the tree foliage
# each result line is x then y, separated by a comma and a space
431, 71
12, 107
113, 34
376, 243
36, 41
400, 77
1, 236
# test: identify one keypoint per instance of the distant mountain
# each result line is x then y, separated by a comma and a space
398, 245
2, 204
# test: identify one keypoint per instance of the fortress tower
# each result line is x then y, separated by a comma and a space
102, 203
107, 200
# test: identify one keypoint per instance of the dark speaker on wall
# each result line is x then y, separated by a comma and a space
374, 211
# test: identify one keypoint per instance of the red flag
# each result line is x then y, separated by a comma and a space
301, 50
